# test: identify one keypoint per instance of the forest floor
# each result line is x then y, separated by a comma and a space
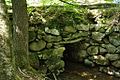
76, 71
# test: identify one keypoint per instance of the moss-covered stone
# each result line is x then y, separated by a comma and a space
83, 34
102, 30
52, 31
49, 45
115, 39
52, 53
55, 65
100, 60
52, 59
118, 49
112, 57
105, 40
50, 38
97, 36
37, 46
69, 29
98, 27
110, 48
82, 27
84, 45
39, 36
102, 50
75, 35
116, 63
40, 32
92, 50
89, 63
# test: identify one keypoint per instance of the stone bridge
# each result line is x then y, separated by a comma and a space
76, 35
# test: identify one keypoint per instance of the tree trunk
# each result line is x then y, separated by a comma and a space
6, 68
20, 33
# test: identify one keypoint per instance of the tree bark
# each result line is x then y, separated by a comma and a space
6, 68
20, 33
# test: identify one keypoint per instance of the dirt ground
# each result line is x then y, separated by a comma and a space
78, 71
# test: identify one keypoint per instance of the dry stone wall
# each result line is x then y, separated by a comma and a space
93, 44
